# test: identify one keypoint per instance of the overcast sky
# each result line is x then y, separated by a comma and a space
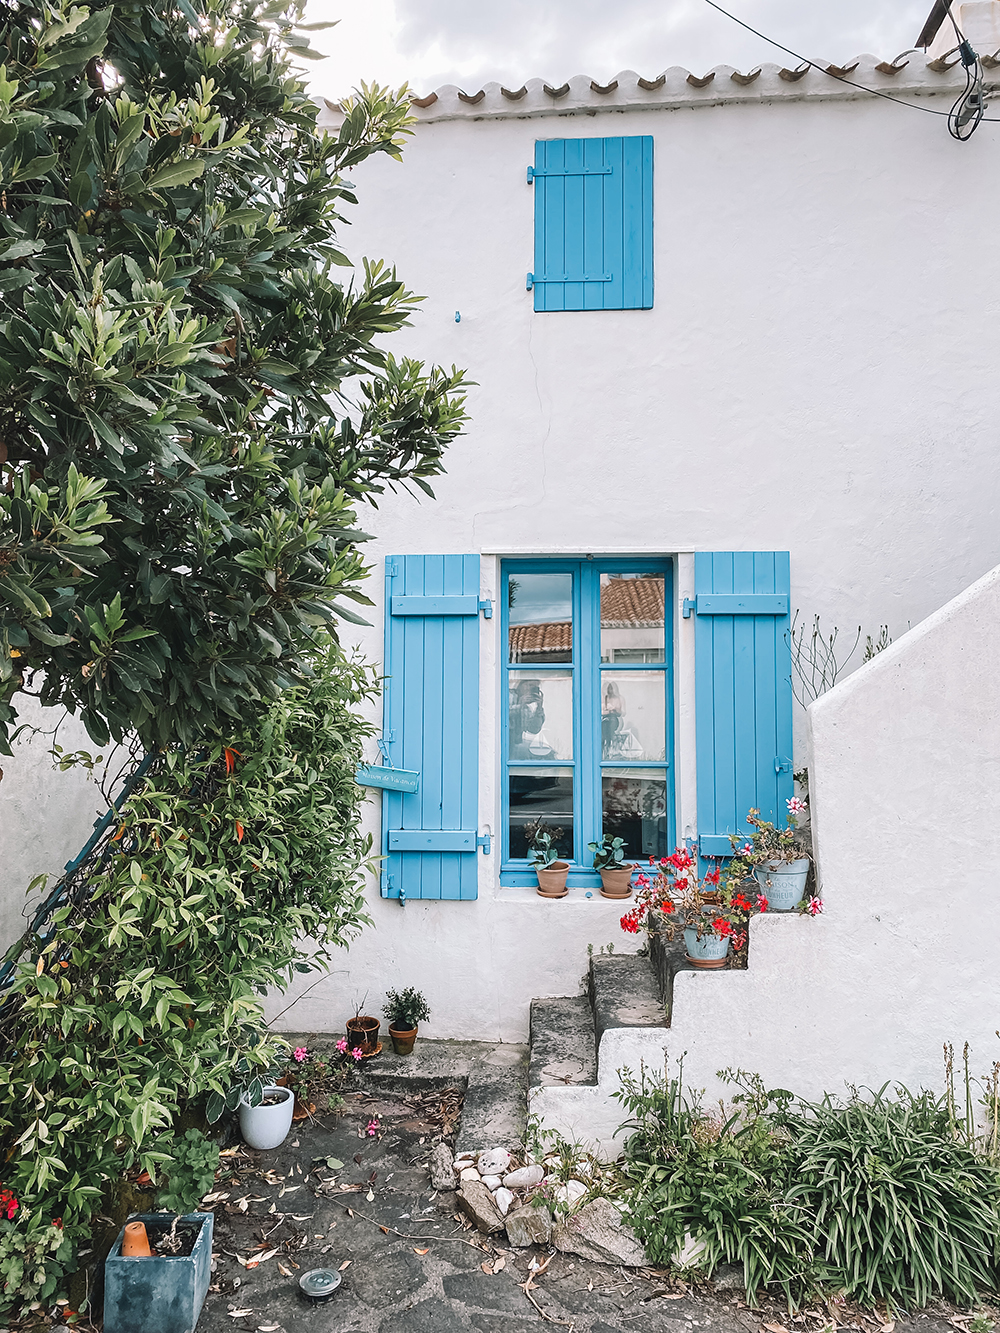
469, 42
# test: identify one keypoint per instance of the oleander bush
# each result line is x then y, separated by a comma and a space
882, 1199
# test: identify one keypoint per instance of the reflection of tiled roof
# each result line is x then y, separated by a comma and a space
627, 602
553, 636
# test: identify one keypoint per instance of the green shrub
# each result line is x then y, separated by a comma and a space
902, 1208
192, 1160
148, 997
717, 1180
883, 1200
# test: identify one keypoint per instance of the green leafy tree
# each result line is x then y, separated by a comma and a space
192, 399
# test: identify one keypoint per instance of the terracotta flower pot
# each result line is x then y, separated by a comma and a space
402, 1040
362, 1032
135, 1242
302, 1109
552, 879
616, 882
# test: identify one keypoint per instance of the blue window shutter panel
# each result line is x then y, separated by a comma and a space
743, 695
593, 224
431, 724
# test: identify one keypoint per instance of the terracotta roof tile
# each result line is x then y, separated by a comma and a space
627, 602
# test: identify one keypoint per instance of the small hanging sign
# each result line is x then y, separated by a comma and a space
389, 779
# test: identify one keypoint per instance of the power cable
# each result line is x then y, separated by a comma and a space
967, 112
875, 92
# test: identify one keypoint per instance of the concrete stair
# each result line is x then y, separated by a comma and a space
578, 1043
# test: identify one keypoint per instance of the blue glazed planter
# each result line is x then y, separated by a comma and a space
709, 951
783, 883
161, 1294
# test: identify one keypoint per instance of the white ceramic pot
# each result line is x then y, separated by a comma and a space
783, 883
267, 1126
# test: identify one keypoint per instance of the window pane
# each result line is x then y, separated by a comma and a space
634, 805
541, 714
541, 799
633, 715
632, 617
540, 615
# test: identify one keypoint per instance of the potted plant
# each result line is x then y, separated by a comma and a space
405, 1009
362, 1031
157, 1274
673, 898
615, 871
775, 857
266, 1112
544, 857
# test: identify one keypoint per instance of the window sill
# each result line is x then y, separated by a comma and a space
521, 877
579, 896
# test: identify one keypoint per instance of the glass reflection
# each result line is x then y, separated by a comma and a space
541, 800
540, 617
541, 714
633, 715
634, 807
632, 609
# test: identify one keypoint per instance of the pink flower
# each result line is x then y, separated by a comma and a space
357, 1052
761, 902
300, 1053
814, 906
795, 806
342, 1045
372, 1128
746, 849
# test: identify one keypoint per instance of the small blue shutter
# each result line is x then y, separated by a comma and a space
431, 723
593, 224
743, 691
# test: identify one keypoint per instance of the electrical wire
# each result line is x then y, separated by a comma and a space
875, 92
967, 112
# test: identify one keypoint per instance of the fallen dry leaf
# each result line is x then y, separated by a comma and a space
776, 1328
268, 1328
239, 1314
487, 1267
285, 1272
500, 1263
345, 1264
216, 1198
416, 1251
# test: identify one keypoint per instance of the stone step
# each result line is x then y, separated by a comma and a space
668, 957
563, 1046
624, 993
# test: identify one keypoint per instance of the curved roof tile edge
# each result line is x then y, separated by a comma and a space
678, 87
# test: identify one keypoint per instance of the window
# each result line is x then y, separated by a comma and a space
593, 224
587, 723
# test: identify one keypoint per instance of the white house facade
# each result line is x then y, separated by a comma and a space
734, 340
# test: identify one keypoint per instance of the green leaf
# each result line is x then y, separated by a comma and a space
176, 173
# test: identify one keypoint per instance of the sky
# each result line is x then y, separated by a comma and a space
427, 43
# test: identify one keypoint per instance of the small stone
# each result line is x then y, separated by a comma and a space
465, 1159
598, 1233
572, 1192
493, 1162
470, 1173
729, 1277
529, 1226
492, 1182
690, 1252
442, 1172
503, 1200
476, 1202
524, 1177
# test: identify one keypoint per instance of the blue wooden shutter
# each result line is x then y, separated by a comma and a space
743, 691
593, 224
431, 723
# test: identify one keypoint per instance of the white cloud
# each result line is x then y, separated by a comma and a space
431, 42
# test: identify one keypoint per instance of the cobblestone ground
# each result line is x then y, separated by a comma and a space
409, 1266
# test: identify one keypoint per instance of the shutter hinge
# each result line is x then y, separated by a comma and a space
486, 606
392, 568
386, 884
485, 841
782, 765
690, 604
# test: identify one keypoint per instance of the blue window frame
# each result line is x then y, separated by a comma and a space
587, 732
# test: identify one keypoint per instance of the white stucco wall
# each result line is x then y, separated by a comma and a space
817, 374
46, 816
906, 810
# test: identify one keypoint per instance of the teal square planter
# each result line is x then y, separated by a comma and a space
158, 1295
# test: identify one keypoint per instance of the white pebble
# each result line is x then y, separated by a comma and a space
492, 1182
503, 1200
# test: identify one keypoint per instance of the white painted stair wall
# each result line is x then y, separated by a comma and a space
905, 784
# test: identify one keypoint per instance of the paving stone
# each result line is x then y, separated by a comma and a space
625, 993
501, 1323
391, 1277
433, 1316
729, 1277
488, 1293
441, 1169
563, 1049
